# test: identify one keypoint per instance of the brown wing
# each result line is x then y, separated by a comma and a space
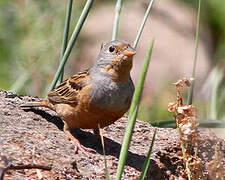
67, 91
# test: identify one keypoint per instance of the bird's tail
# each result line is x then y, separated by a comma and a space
41, 103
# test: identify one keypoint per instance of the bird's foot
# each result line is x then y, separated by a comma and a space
78, 145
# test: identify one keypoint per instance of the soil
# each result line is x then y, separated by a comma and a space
35, 137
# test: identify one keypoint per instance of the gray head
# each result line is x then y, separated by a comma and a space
114, 50
115, 58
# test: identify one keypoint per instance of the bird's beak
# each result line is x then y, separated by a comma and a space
129, 52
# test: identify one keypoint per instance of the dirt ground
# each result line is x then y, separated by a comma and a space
35, 137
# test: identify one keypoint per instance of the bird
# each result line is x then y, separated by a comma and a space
95, 97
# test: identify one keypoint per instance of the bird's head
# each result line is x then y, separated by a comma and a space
115, 58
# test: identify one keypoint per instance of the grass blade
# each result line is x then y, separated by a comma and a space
126, 143
116, 19
213, 85
133, 114
203, 123
103, 147
147, 160
66, 33
164, 124
140, 83
72, 40
191, 91
210, 123
218, 76
143, 24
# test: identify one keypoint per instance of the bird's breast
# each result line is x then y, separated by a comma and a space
114, 96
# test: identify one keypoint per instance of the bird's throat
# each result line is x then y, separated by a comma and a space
118, 72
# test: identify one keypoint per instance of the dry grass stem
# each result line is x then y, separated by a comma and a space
185, 117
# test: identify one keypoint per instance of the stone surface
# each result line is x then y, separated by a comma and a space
36, 137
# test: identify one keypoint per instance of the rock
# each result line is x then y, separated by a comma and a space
36, 137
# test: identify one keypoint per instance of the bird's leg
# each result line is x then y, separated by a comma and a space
77, 143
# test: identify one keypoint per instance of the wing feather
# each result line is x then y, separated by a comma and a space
67, 91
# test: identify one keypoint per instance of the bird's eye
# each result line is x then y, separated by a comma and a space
111, 48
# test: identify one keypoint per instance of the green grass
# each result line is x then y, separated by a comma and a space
107, 177
118, 8
66, 33
143, 23
72, 41
191, 92
133, 114
147, 160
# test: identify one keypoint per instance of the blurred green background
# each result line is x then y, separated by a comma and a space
30, 44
